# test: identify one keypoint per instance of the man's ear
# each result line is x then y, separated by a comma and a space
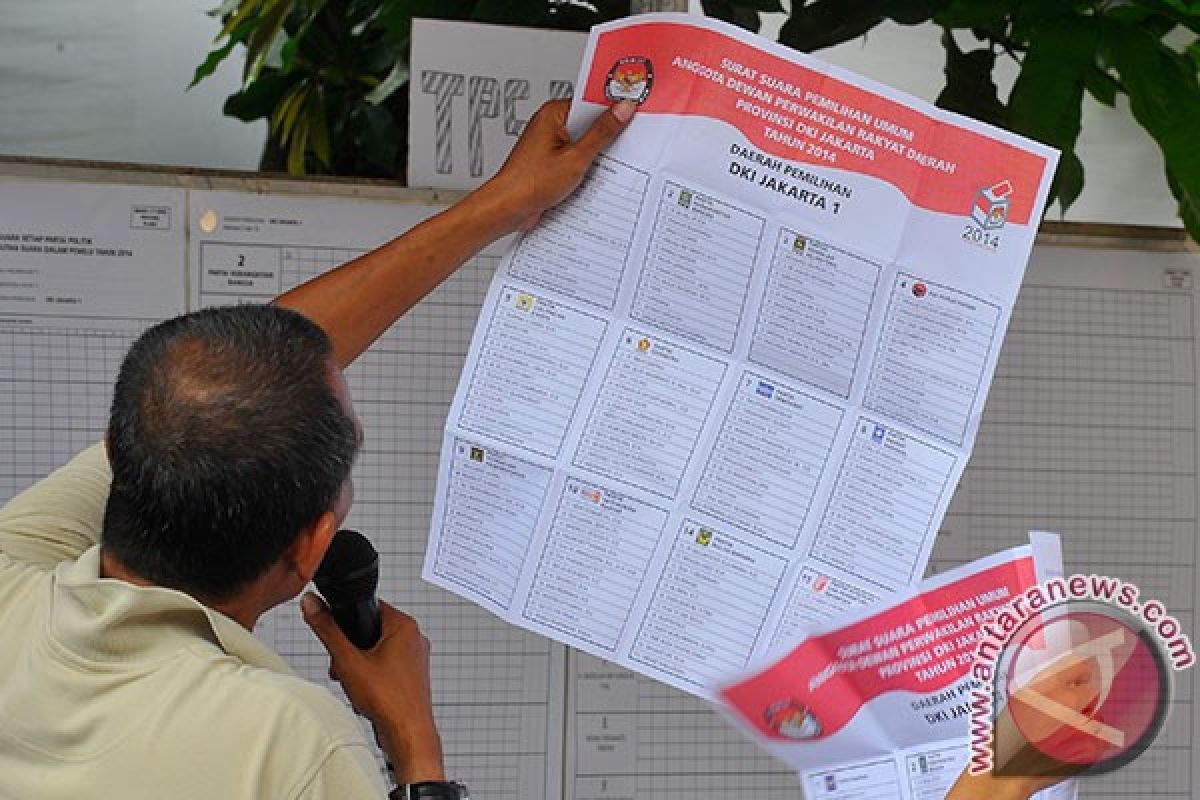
308, 550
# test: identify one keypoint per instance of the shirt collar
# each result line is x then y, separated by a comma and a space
106, 620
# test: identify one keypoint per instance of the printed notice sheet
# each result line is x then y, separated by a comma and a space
729, 386
875, 706
83, 270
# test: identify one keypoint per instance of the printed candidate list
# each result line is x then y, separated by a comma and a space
726, 389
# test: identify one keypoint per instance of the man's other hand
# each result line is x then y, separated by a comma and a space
389, 685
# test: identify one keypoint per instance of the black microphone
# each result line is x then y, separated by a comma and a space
347, 578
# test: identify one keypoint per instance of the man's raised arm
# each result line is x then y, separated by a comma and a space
358, 301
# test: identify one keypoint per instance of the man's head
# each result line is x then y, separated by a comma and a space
230, 434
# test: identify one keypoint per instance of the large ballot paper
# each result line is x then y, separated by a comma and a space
728, 387
875, 705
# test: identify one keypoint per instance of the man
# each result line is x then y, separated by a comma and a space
131, 578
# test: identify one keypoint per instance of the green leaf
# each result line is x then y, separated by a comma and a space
259, 43
283, 121
379, 138
215, 58
225, 9
569, 17
318, 47
765, 6
296, 150
395, 79
914, 12
1161, 16
733, 13
1165, 99
969, 88
825, 23
1193, 52
612, 9
1102, 86
828, 22
1188, 8
210, 64
260, 98
510, 12
1046, 102
378, 59
974, 13
395, 18
1068, 180
1191, 220
318, 126
244, 11
291, 47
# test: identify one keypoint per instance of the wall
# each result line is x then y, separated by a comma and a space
104, 80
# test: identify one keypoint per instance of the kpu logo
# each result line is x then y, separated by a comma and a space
631, 78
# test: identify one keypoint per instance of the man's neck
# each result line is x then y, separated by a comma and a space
241, 609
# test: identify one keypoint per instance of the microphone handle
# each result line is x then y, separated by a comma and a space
360, 621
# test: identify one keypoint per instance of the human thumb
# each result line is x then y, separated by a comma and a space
317, 615
605, 128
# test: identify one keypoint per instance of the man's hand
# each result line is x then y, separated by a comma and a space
359, 300
389, 685
545, 166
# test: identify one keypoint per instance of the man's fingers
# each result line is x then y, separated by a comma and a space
317, 615
605, 129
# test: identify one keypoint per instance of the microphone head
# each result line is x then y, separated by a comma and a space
350, 570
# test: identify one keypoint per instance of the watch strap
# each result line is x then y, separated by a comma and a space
430, 790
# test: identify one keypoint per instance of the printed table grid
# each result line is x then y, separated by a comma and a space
55, 389
684, 750
1068, 347
1091, 431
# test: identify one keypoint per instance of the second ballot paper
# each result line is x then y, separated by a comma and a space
728, 387
878, 704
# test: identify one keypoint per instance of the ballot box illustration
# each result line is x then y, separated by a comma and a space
990, 208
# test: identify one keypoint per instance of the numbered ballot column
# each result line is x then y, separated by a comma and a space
492, 507
882, 510
593, 562
814, 313
239, 273
530, 371
698, 268
815, 598
871, 780
580, 247
769, 456
707, 610
932, 772
648, 416
934, 349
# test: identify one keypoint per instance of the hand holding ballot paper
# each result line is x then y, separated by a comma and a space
877, 704
725, 391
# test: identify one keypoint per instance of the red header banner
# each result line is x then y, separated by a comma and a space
801, 115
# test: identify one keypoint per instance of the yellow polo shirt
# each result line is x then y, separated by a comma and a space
108, 690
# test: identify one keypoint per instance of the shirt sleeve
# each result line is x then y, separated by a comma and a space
349, 773
60, 516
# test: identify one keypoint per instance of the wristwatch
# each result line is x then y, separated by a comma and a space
430, 790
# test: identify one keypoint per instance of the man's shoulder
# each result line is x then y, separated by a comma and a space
285, 701
304, 737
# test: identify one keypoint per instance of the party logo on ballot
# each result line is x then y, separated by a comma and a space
629, 79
